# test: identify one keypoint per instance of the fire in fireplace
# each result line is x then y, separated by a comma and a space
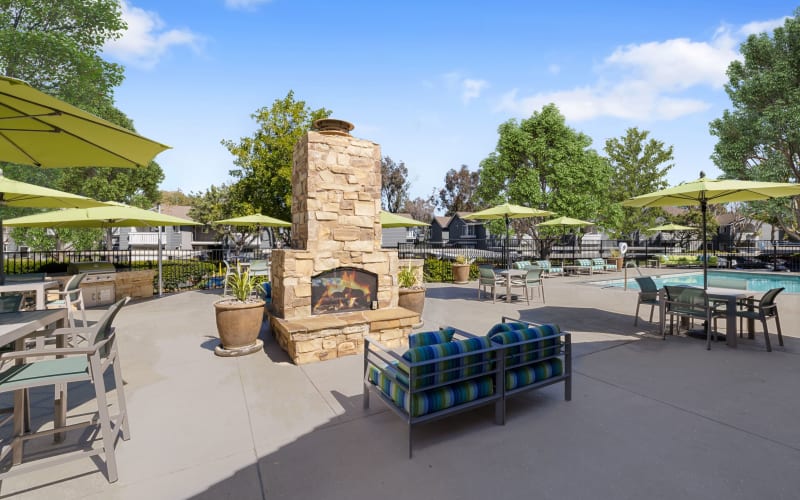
343, 289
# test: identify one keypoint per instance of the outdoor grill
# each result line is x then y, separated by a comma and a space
99, 287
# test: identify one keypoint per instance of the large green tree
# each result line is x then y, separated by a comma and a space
224, 202
459, 193
759, 139
394, 184
56, 47
264, 160
540, 162
639, 166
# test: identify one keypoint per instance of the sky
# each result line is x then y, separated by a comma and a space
430, 81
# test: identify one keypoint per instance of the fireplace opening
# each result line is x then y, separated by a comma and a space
343, 289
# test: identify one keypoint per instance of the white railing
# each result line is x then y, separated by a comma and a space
144, 239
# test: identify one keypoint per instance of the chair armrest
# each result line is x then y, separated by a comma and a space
66, 351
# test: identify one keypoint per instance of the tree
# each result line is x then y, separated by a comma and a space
55, 47
542, 163
759, 139
394, 184
459, 193
638, 167
58, 239
175, 198
264, 160
421, 209
224, 202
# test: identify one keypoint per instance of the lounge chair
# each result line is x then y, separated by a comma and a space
583, 266
599, 266
548, 269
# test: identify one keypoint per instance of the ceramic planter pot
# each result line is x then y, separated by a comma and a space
461, 273
238, 323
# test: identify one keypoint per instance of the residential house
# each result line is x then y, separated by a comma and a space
458, 230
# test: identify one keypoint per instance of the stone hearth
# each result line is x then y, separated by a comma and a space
336, 202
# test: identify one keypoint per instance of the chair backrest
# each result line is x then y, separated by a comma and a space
74, 282
533, 275
687, 299
646, 284
102, 329
486, 273
544, 264
768, 299
584, 262
10, 303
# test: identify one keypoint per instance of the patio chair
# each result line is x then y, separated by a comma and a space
487, 278
648, 295
548, 269
692, 303
64, 366
599, 266
11, 302
532, 279
762, 309
584, 265
72, 296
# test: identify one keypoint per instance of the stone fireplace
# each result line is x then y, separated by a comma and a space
336, 284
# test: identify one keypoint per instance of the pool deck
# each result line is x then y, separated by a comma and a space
648, 418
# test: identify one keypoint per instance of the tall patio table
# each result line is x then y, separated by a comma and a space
40, 287
509, 274
730, 296
14, 327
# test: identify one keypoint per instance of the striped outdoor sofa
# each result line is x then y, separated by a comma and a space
451, 371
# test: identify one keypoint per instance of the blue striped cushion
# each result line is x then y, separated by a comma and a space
429, 338
447, 396
451, 369
528, 352
526, 375
505, 327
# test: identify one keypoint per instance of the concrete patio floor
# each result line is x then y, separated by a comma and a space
648, 418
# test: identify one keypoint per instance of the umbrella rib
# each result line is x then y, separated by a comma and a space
16, 146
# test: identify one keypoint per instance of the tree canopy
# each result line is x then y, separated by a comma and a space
394, 185
540, 162
264, 160
759, 138
638, 166
459, 193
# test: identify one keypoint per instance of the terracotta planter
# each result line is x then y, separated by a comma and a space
412, 299
461, 273
238, 323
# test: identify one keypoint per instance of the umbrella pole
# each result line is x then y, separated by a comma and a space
704, 209
508, 250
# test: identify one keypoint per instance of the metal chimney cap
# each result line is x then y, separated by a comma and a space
332, 126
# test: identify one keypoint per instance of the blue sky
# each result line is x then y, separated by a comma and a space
429, 81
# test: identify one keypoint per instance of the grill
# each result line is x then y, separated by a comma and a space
96, 272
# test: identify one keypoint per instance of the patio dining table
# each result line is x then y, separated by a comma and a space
509, 274
731, 297
40, 287
14, 327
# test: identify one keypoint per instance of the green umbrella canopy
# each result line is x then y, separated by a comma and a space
111, 214
21, 194
254, 220
38, 129
672, 227
508, 211
565, 221
390, 220
704, 191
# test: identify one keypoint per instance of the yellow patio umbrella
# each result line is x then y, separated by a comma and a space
39, 129
254, 220
390, 220
508, 211
704, 191
672, 227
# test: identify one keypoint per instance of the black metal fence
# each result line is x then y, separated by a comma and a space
772, 255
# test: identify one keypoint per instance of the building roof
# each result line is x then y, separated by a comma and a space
442, 220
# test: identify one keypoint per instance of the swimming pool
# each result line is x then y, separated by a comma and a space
757, 282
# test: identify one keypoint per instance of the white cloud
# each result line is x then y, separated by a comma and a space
757, 27
146, 41
244, 4
471, 89
647, 81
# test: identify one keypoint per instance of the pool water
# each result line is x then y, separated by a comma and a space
757, 282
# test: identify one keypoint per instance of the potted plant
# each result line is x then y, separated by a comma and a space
412, 291
239, 317
461, 270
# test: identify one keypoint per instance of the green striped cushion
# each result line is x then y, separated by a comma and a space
447, 396
505, 327
429, 338
530, 351
451, 369
526, 375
